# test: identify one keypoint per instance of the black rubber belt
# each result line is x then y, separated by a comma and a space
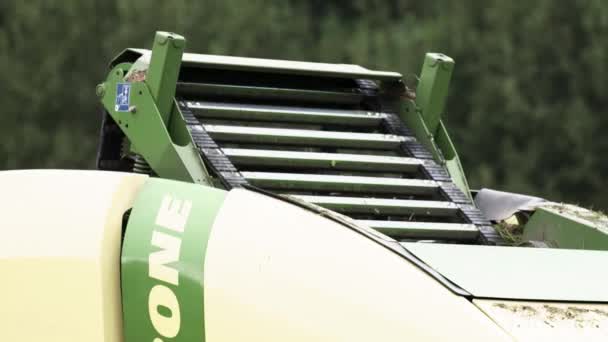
394, 125
436, 172
210, 152
230, 177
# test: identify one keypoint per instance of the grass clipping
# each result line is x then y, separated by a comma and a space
511, 230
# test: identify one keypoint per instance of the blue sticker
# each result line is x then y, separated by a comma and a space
123, 97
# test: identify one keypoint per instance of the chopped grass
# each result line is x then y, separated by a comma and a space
511, 233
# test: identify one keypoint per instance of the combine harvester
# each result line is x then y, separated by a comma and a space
266, 200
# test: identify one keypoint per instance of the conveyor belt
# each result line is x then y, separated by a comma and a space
383, 206
338, 183
424, 230
227, 111
334, 149
311, 160
328, 134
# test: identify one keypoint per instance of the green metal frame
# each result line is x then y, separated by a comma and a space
154, 125
163, 261
423, 115
568, 226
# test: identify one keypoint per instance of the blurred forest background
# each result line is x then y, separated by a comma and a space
528, 102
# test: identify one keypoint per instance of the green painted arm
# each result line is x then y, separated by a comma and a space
424, 115
150, 119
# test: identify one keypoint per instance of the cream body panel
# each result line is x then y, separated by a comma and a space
60, 254
276, 272
547, 321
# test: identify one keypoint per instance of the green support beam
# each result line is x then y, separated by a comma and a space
424, 115
432, 90
163, 72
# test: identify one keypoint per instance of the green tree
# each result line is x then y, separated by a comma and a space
527, 102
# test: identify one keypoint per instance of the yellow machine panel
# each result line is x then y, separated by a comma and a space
60, 254
277, 272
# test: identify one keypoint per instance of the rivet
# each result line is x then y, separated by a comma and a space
161, 39
100, 90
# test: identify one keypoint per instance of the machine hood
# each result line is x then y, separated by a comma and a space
519, 273
542, 321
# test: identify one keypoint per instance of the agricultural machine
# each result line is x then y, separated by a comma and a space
242, 199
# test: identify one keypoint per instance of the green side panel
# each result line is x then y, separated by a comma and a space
163, 260
566, 226
519, 272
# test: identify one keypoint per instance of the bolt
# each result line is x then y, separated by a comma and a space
178, 43
447, 65
133, 109
161, 39
100, 90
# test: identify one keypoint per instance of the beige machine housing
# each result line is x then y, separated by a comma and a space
60, 254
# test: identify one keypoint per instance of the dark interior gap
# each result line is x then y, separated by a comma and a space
293, 125
265, 79
410, 218
328, 171
323, 149
371, 194
269, 101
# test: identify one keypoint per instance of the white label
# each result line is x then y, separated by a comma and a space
158, 267
172, 215
162, 296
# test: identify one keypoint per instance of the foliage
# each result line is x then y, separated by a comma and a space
526, 108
